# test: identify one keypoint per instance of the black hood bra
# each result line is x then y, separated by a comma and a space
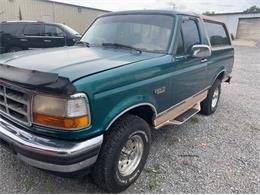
36, 80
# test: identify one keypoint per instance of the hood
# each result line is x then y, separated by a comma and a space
74, 62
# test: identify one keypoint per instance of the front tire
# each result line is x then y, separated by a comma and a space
210, 104
123, 154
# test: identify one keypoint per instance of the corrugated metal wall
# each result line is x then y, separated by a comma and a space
76, 17
232, 20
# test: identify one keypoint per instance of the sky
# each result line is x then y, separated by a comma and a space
199, 6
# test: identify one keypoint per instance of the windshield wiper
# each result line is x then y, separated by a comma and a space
121, 45
86, 44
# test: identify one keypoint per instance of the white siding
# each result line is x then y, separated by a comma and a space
232, 20
39, 10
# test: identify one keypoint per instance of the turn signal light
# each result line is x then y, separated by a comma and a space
66, 123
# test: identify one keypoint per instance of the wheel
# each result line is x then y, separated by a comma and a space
210, 104
14, 49
123, 154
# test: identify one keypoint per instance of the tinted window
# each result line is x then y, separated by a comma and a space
146, 32
33, 30
11, 28
190, 34
53, 31
217, 34
180, 45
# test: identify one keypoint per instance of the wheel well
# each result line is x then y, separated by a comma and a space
221, 76
145, 112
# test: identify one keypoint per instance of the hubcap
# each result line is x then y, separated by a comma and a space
131, 155
215, 98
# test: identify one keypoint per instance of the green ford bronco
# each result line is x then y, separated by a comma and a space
92, 107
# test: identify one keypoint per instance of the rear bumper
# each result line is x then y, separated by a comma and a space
49, 153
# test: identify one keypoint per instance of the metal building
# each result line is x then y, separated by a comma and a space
77, 17
242, 25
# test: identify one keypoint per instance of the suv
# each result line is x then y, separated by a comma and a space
93, 106
23, 35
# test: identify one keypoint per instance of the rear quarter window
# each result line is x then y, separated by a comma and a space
11, 28
217, 33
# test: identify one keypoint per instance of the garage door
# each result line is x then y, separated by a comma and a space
249, 28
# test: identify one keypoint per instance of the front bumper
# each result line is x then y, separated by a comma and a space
49, 153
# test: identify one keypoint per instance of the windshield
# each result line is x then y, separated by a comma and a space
70, 30
145, 32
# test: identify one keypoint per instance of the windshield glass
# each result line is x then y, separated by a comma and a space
70, 30
145, 32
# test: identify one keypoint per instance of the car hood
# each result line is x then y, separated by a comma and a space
74, 62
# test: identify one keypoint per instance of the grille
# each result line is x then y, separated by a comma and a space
14, 104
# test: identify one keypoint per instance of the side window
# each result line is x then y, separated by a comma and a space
33, 30
180, 45
217, 33
191, 35
53, 31
11, 29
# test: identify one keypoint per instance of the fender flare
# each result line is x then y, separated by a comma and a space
222, 70
130, 108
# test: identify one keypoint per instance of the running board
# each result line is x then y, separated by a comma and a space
186, 115
182, 112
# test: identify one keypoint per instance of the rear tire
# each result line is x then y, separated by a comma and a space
210, 104
14, 49
123, 154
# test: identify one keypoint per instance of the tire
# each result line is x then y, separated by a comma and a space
14, 49
109, 172
210, 104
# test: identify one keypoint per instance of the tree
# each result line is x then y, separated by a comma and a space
20, 14
208, 13
252, 9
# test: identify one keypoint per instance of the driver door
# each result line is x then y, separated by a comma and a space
189, 72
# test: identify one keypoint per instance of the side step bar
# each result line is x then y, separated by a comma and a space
186, 115
183, 111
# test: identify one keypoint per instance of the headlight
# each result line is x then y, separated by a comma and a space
71, 113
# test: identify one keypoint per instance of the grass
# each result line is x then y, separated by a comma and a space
254, 128
194, 120
154, 182
50, 187
29, 184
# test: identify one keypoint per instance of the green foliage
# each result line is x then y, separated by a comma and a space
154, 181
252, 9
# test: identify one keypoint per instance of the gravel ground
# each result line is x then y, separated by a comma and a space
216, 154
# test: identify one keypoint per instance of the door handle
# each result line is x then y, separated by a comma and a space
203, 60
47, 41
24, 40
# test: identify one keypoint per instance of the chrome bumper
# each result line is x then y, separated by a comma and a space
49, 153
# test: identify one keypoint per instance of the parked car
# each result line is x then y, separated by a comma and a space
93, 106
23, 35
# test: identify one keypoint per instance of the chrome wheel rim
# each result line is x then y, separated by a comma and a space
131, 155
215, 98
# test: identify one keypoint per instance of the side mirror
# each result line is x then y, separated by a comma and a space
201, 51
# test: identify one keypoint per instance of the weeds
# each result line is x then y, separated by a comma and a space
194, 120
153, 183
